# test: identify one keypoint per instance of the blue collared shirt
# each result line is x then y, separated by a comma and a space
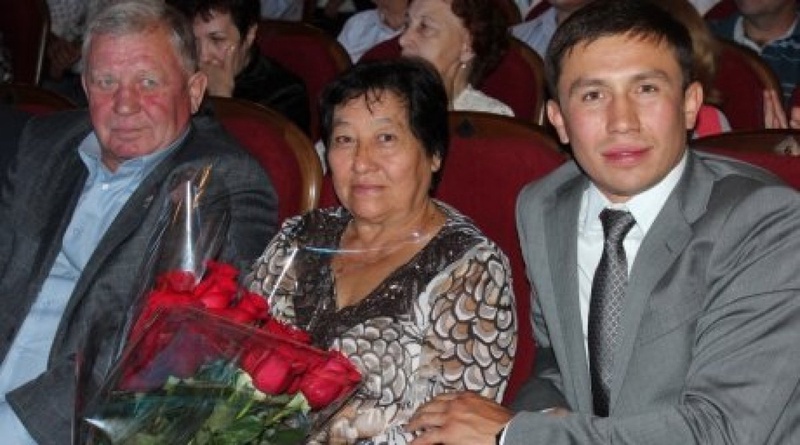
537, 32
103, 196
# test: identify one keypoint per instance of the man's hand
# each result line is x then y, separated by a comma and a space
221, 74
459, 418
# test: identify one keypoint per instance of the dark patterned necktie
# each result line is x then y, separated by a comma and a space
605, 310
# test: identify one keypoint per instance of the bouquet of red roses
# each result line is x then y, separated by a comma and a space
210, 366
205, 363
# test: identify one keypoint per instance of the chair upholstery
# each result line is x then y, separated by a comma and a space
33, 99
742, 76
25, 26
764, 148
721, 10
484, 172
518, 80
491, 158
281, 148
308, 52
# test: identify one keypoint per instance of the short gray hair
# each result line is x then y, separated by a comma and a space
138, 16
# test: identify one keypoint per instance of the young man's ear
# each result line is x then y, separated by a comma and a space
557, 119
692, 101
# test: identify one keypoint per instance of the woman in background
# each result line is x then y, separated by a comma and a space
465, 40
225, 33
705, 55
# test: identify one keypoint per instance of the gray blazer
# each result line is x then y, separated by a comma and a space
37, 199
712, 316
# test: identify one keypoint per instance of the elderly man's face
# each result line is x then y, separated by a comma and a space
140, 96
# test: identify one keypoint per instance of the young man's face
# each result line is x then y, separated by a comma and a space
622, 107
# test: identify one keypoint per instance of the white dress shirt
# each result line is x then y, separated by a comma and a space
364, 30
645, 207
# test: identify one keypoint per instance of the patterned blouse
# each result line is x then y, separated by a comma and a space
444, 321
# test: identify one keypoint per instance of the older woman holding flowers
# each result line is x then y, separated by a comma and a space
402, 284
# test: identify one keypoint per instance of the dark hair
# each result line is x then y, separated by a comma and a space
244, 13
415, 81
489, 31
606, 18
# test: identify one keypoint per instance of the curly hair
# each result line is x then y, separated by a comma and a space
489, 31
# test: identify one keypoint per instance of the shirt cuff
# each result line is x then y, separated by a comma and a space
500, 439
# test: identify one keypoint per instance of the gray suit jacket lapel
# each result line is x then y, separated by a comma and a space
561, 224
665, 241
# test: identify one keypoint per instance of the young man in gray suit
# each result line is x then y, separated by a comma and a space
83, 202
667, 305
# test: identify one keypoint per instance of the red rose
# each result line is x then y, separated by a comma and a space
284, 330
254, 304
273, 374
176, 281
157, 300
324, 384
234, 314
218, 287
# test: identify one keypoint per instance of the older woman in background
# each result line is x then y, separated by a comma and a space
404, 285
465, 40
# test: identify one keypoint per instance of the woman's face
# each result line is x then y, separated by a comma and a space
218, 36
436, 34
381, 172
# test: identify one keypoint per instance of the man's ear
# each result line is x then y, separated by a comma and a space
692, 101
197, 88
557, 119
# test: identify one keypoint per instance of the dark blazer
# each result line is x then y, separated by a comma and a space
36, 203
712, 316
266, 82
11, 122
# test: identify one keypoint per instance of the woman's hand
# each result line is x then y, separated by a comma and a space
221, 74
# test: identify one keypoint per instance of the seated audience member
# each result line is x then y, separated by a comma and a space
769, 27
685, 330
12, 120
406, 287
705, 50
331, 15
368, 28
225, 32
465, 40
537, 32
83, 201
